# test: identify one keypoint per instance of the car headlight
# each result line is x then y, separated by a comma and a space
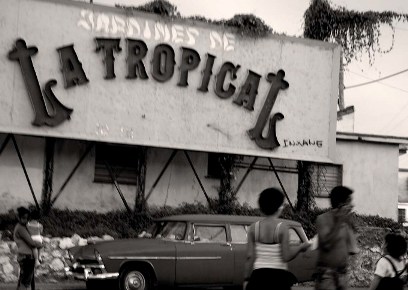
98, 257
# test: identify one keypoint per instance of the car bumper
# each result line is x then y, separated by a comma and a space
89, 273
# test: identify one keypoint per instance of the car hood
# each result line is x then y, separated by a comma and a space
125, 247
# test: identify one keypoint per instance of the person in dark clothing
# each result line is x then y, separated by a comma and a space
392, 264
336, 241
25, 246
268, 247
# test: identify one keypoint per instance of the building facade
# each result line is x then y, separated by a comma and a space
102, 104
366, 163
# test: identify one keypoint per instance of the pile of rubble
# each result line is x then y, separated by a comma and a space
54, 257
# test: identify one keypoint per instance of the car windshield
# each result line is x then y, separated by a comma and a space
169, 230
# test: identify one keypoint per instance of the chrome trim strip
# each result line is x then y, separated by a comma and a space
140, 258
162, 258
199, 258
77, 265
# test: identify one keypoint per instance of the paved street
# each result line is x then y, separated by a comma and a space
81, 286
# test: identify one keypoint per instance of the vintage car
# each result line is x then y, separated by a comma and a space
181, 250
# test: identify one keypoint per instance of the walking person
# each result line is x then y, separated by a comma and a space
336, 241
25, 246
268, 249
391, 269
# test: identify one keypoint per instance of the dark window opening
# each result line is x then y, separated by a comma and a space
214, 169
325, 177
122, 160
401, 215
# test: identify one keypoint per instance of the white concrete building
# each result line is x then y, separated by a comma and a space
84, 85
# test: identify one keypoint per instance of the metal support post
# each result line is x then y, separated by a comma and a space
115, 182
5, 142
251, 166
87, 150
198, 178
280, 182
173, 154
25, 171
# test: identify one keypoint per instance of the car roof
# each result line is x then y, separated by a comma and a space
218, 218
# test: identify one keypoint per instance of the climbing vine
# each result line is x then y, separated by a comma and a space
159, 7
305, 197
245, 24
356, 32
226, 194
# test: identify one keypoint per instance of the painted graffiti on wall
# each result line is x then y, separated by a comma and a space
153, 30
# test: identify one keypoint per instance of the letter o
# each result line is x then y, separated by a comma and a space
163, 63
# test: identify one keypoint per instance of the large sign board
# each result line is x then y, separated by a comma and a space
82, 71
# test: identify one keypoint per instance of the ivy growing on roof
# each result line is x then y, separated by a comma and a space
245, 24
356, 32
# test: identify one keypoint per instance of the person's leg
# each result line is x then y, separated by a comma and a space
269, 279
20, 260
26, 271
325, 279
341, 280
33, 282
28, 274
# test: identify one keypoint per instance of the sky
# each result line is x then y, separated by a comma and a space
380, 108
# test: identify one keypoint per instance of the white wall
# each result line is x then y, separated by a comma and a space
258, 180
14, 190
177, 185
371, 169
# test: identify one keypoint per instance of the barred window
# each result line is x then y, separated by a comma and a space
122, 160
214, 169
401, 215
325, 177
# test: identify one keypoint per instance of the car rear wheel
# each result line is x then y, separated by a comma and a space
135, 279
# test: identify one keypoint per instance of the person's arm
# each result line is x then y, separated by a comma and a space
289, 252
249, 263
352, 241
375, 282
26, 237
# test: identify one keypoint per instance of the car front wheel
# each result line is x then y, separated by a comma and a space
135, 279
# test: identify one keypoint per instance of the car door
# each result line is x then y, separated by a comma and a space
206, 258
304, 265
239, 238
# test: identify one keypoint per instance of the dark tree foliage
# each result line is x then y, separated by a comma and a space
356, 32
305, 196
246, 24
159, 7
226, 194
